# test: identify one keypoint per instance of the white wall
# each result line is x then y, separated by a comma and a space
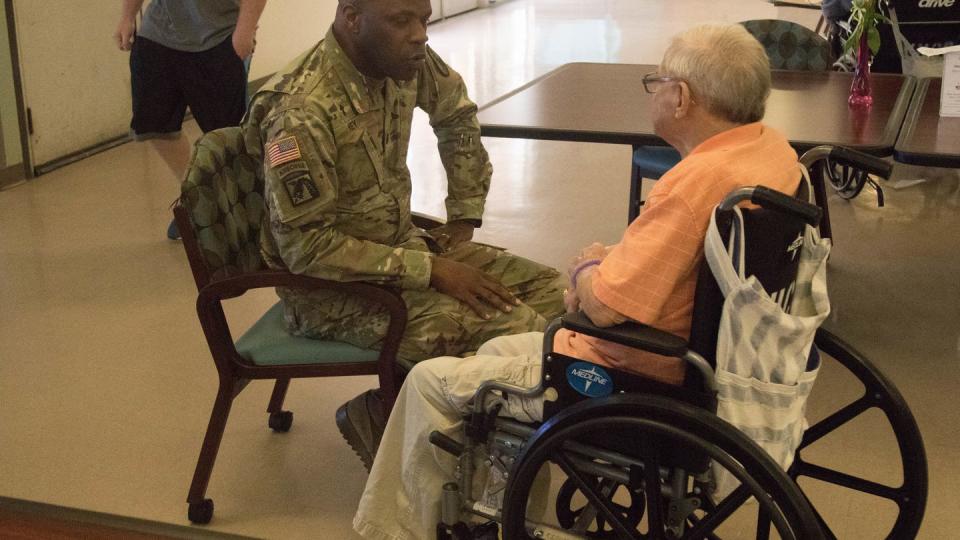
77, 83
287, 28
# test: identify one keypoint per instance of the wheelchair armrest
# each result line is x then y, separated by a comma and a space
859, 160
847, 157
631, 334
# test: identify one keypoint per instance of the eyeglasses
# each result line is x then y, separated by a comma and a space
652, 81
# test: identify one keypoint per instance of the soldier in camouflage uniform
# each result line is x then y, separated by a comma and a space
334, 128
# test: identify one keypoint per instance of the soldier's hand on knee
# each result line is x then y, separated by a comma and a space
471, 286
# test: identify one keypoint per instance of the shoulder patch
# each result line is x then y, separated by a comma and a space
301, 188
282, 151
290, 169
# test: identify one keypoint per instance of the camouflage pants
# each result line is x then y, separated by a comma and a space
437, 324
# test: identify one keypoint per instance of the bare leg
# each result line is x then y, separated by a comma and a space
176, 154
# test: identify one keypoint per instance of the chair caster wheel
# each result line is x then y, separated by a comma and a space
201, 512
281, 421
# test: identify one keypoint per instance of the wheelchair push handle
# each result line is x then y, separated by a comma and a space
774, 200
859, 160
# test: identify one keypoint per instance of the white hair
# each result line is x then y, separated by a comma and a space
726, 68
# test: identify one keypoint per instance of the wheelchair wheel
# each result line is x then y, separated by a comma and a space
850, 181
879, 395
677, 504
571, 507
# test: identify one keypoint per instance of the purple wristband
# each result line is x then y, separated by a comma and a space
580, 268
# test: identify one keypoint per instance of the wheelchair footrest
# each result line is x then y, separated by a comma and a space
446, 444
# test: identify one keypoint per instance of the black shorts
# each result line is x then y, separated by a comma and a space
164, 82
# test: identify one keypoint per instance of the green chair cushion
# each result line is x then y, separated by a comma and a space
267, 343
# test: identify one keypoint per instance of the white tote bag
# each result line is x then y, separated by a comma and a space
762, 370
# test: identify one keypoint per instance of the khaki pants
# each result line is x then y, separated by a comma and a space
402, 496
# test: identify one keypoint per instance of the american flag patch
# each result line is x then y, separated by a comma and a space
283, 151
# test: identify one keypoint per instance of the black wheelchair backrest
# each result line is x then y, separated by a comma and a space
773, 241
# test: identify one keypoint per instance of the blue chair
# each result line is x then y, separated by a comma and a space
649, 162
788, 46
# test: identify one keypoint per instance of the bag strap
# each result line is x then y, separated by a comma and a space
811, 235
726, 262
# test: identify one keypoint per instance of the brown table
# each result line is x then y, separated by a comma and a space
606, 103
926, 137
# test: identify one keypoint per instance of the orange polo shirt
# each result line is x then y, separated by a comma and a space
651, 275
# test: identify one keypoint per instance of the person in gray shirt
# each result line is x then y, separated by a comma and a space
186, 53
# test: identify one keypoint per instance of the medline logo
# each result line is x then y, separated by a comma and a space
935, 3
589, 379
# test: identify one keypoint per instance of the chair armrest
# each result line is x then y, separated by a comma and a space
232, 287
631, 334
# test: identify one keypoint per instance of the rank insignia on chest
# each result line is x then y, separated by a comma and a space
301, 188
282, 151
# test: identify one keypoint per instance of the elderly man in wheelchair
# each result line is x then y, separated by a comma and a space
709, 96
622, 416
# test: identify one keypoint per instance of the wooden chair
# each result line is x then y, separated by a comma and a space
220, 213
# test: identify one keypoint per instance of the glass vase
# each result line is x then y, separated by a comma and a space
861, 94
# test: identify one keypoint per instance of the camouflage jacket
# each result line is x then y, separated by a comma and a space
335, 166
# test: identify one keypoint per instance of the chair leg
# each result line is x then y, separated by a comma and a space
280, 420
279, 394
211, 445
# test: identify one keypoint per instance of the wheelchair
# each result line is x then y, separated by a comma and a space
640, 462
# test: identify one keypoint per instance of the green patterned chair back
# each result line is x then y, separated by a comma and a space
790, 45
223, 195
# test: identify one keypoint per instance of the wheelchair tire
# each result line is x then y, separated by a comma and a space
879, 393
698, 429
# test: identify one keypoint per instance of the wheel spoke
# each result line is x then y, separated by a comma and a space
621, 508
848, 481
695, 521
835, 420
725, 509
595, 498
585, 517
651, 488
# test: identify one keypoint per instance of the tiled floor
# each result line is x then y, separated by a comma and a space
106, 383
